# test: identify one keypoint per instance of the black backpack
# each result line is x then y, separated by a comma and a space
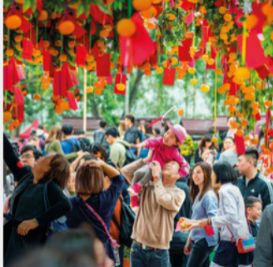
127, 219
75, 147
84, 145
130, 156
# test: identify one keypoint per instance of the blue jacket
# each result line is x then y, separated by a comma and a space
67, 147
104, 204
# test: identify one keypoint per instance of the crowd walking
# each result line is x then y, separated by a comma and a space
131, 197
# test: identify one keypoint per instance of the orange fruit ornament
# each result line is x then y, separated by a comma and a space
7, 116
36, 97
66, 27
159, 70
242, 73
16, 123
251, 21
11, 127
126, 27
120, 86
180, 112
239, 133
140, 5
222, 10
193, 81
204, 88
268, 103
13, 22
214, 140
43, 15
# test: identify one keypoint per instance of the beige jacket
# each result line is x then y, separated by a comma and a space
158, 206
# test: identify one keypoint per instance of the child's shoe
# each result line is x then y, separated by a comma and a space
134, 189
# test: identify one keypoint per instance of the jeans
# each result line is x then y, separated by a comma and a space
149, 258
178, 258
200, 252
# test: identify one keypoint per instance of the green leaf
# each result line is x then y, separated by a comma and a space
80, 10
26, 5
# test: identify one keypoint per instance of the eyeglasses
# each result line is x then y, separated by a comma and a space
26, 156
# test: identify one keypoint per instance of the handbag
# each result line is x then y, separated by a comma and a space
244, 245
127, 218
57, 225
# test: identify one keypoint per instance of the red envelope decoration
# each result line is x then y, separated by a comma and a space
74, 78
59, 86
255, 56
233, 88
109, 79
189, 19
209, 230
99, 16
21, 72
6, 80
19, 99
126, 51
143, 45
120, 80
27, 49
13, 72
66, 77
263, 72
169, 76
270, 63
72, 101
80, 55
240, 144
184, 50
84, 40
205, 36
18, 112
103, 65
258, 116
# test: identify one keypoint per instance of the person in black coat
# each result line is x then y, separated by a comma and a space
27, 222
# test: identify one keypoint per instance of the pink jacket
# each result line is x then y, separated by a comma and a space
164, 154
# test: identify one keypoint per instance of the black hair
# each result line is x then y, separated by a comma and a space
97, 147
67, 129
33, 132
103, 124
112, 131
81, 132
224, 172
250, 201
251, 153
36, 152
86, 158
40, 126
130, 117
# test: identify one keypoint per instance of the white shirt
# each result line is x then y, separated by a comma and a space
231, 212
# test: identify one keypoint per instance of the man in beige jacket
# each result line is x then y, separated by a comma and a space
159, 203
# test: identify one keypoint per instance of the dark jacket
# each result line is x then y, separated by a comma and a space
131, 135
257, 187
197, 156
253, 228
99, 137
264, 244
104, 204
180, 238
27, 202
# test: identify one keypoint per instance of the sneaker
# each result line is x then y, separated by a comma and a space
134, 201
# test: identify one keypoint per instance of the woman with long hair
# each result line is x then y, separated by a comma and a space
27, 222
98, 151
230, 218
199, 245
93, 204
53, 143
206, 150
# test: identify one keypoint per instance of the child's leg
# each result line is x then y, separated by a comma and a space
139, 173
146, 176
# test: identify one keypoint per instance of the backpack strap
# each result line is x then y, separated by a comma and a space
46, 201
114, 219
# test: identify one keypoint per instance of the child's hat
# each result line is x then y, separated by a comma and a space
179, 131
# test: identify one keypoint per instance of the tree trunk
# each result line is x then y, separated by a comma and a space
95, 111
135, 88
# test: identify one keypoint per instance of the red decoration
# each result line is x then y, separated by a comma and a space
27, 49
72, 101
80, 55
240, 144
184, 50
103, 65
169, 76
19, 99
118, 80
255, 56
20, 164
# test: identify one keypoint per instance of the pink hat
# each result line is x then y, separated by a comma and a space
179, 131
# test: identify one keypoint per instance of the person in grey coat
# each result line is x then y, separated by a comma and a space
264, 246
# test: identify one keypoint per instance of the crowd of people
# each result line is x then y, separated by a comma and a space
135, 194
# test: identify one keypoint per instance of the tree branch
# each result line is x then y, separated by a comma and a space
135, 88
